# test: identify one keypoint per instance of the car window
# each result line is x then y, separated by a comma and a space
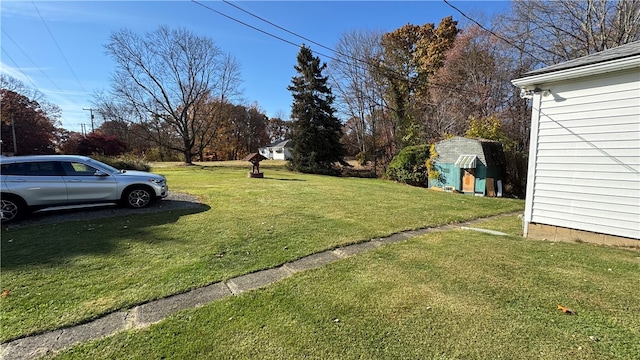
78, 169
12, 169
43, 168
102, 166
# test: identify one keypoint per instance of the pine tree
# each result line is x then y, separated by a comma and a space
316, 131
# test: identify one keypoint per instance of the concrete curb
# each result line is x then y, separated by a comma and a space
153, 312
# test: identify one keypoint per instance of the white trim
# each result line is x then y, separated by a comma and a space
530, 82
533, 150
466, 161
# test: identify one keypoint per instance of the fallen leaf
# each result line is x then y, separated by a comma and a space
5, 293
566, 310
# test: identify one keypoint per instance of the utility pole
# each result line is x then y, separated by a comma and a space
91, 111
13, 131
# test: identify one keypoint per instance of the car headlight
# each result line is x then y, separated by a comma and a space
157, 181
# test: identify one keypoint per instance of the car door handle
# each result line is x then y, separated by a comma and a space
74, 180
18, 180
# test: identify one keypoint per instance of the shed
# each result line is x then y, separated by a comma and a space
471, 166
584, 157
279, 150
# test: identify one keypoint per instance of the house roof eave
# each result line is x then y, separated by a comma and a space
531, 82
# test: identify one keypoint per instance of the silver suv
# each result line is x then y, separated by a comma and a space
31, 183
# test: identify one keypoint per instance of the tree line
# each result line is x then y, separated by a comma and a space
174, 94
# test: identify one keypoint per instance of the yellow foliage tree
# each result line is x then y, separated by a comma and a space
489, 128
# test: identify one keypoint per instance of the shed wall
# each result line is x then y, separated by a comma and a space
586, 155
449, 176
481, 179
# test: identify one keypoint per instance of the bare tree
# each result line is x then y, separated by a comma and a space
212, 111
359, 97
278, 129
560, 30
167, 77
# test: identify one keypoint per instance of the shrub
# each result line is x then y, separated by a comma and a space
409, 166
96, 143
362, 158
162, 154
432, 168
124, 162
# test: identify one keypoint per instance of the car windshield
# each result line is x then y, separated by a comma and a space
102, 166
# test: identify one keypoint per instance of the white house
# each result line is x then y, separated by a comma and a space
280, 150
584, 158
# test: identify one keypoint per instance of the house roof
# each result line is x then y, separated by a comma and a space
623, 57
488, 152
618, 52
493, 152
254, 157
279, 144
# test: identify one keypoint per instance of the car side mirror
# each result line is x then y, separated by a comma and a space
100, 173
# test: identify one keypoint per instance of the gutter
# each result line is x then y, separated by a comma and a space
530, 82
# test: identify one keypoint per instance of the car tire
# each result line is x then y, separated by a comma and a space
12, 208
138, 197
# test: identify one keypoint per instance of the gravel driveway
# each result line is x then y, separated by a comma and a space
174, 201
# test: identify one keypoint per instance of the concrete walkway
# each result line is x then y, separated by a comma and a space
144, 315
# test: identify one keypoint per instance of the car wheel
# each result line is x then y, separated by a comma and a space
138, 197
11, 208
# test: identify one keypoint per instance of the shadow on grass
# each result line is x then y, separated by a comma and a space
223, 167
54, 243
241, 167
282, 179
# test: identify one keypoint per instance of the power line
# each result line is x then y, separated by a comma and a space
59, 49
492, 32
24, 74
15, 64
255, 28
36, 65
19, 68
378, 66
302, 37
282, 28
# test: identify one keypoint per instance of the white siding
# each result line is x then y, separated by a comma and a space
279, 155
265, 152
586, 155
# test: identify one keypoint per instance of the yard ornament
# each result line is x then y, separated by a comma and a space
254, 159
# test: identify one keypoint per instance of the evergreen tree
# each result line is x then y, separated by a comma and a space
316, 131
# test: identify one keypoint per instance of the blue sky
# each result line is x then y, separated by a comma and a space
58, 46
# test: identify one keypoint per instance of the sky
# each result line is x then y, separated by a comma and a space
57, 47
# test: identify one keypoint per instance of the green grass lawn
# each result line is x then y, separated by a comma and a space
448, 295
62, 274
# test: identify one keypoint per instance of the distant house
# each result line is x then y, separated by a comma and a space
280, 150
584, 158
471, 166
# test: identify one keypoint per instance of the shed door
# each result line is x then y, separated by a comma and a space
468, 181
